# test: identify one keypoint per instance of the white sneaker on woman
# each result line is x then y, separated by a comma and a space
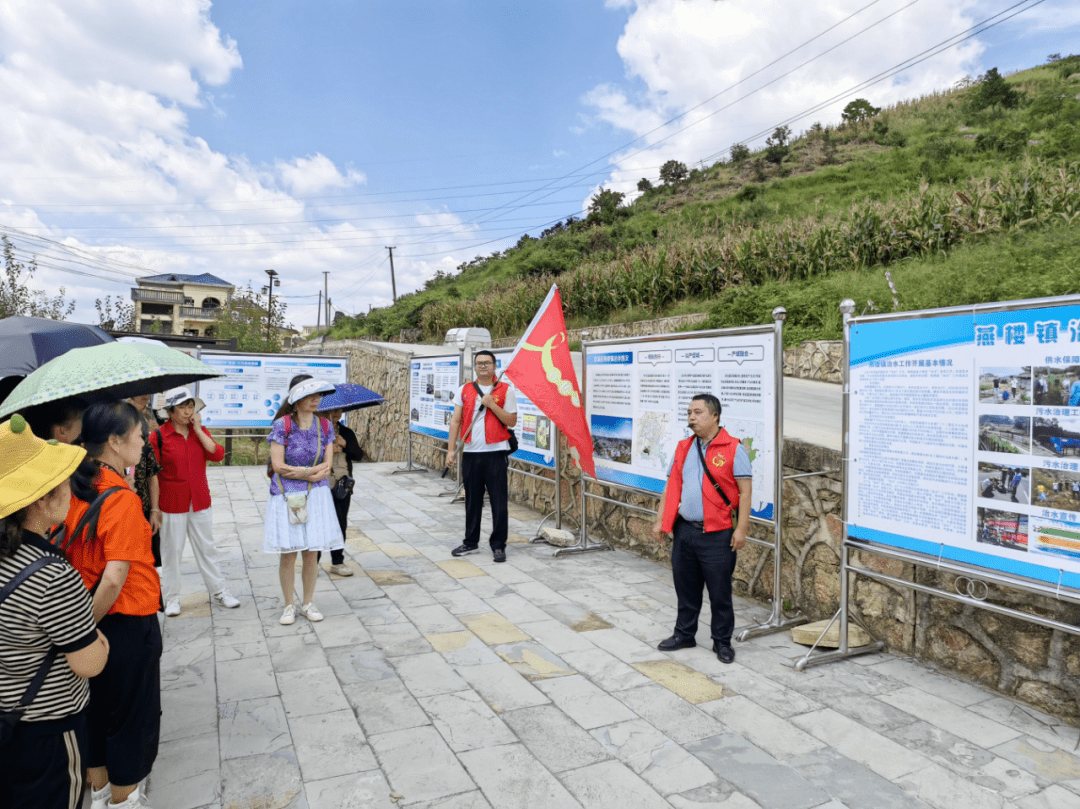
227, 599
311, 612
136, 800
172, 609
288, 617
99, 798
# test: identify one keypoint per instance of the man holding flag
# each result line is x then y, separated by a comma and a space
485, 410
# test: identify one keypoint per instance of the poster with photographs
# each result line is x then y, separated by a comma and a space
965, 438
432, 383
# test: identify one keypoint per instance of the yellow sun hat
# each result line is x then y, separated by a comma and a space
31, 467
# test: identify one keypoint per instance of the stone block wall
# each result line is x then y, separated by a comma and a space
614, 331
822, 360
1024, 661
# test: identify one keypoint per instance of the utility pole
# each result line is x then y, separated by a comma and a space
318, 312
326, 295
270, 303
393, 283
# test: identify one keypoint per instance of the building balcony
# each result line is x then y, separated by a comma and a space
156, 295
195, 313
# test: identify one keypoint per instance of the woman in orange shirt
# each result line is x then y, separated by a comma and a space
117, 566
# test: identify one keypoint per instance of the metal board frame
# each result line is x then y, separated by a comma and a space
977, 578
413, 436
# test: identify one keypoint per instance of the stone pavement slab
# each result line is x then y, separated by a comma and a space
445, 683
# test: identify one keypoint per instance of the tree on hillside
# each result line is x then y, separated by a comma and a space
859, 111
776, 148
739, 153
17, 297
644, 186
118, 316
991, 90
244, 317
673, 172
604, 206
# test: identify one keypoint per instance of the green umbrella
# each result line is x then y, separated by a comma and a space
107, 371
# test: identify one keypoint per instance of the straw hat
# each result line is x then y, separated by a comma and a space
30, 468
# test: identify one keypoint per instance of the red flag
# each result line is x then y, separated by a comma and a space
542, 369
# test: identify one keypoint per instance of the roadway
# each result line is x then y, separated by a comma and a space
813, 412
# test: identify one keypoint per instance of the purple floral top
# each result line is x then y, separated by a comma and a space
300, 449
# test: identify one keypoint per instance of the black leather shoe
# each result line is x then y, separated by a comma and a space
725, 654
462, 550
500, 555
673, 644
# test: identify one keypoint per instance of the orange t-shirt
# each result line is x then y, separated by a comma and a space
123, 535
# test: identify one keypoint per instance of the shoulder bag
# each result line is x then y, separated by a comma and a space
9, 719
712, 480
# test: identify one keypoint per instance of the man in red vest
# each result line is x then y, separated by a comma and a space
698, 506
484, 411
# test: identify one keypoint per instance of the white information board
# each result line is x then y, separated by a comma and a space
964, 435
535, 432
254, 385
432, 383
637, 394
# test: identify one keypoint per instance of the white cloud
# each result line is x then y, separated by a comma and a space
93, 101
306, 176
682, 52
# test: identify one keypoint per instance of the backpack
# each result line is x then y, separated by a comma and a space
324, 425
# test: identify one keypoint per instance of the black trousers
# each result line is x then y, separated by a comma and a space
480, 472
700, 559
41, 767
125, 699
341, 508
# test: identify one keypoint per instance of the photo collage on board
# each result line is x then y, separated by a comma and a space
1028, 460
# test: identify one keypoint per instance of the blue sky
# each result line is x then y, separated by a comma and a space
144, 137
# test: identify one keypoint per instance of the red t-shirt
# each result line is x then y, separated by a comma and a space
123, 535
182, 480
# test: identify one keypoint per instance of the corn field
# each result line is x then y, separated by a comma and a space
703, 264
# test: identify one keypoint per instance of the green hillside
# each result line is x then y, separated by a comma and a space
963, 196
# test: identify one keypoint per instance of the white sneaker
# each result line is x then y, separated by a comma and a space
100, 798
227, 599
172, 609
341, 570
135, 799
288, 617
311, 612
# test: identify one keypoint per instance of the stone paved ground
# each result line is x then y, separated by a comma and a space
436, 682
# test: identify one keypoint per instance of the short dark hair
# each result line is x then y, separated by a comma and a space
100, 421
44, 417
482, 352
711, 402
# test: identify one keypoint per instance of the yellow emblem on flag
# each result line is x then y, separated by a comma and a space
553, 374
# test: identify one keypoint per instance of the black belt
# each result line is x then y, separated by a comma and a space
698, 525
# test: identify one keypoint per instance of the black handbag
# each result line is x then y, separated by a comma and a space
9, 719
343, 489
712, 480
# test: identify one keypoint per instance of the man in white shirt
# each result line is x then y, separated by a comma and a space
484, 413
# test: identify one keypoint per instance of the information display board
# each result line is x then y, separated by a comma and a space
432, 383
535, 432
637, 393
964, 437
254, 385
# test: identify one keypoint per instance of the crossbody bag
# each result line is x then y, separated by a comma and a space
479, 413
712, 480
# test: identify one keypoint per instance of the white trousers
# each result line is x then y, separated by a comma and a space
175, 529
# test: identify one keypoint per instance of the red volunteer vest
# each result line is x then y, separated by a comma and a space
720, 456
494, 430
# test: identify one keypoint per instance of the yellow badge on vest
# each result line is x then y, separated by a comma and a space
718, 461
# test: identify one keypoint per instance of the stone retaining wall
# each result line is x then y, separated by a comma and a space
1036, 665
613, 331
822, 360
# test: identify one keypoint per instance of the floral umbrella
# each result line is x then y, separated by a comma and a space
108, 371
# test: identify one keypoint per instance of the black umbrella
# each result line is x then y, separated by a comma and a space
27, 343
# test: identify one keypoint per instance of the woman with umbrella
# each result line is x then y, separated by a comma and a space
46, 627
183, 447
300, 514
346, 452
118, 569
